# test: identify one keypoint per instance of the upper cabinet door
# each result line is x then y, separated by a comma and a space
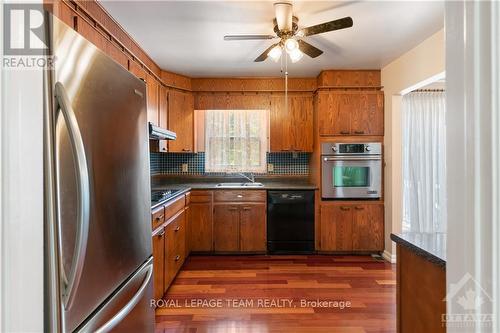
137, 70
291, 128
301, 126
181, 121
351, 113
334, 112
279, 136
153, 87
368, 118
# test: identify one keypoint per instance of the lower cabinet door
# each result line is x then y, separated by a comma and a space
200, 235
175, 248
336, 227
226, 228
368, 227
158, 263
253, 228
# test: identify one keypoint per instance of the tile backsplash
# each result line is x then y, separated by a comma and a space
171, 163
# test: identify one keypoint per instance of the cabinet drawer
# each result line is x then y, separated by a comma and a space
174, 207
240, 196
157, 217
200, 196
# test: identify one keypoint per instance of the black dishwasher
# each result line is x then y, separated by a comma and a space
290, 222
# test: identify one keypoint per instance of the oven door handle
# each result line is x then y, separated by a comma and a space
352, 158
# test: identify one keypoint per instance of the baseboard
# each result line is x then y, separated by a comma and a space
389, 257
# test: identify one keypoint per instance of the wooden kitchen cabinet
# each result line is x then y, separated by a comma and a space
352, 227
351, 113
226, 228
152, 90
175, 247
87, 30
253, 228
292, 129
181, 121
201, 221
336, 227
158, 242
368, 227
240, 221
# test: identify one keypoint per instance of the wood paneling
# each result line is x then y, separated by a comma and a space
136, 69
420, 293
152, 89
176, 80
226, 228
291, 129
181, 121
253, 84
240, 196
253, 228
336, 227
349, 78
231, 101
350, 113
368, 227
367, 283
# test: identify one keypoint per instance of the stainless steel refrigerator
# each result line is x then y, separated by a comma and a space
98, 145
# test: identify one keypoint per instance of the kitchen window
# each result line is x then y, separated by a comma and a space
236, 140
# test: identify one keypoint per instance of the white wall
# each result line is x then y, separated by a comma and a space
21, 199
412, 70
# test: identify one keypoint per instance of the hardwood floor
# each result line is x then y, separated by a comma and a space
234, 294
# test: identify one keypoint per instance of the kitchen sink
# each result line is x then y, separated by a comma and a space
239, 185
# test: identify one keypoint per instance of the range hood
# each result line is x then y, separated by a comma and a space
158, 133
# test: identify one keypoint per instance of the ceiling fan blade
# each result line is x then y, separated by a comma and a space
263, 56
342, 23
248, 37
308, 49
283, 11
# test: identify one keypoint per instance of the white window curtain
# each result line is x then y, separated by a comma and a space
236, 140
424, 158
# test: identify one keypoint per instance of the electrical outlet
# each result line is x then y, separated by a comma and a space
184, 167
295, 155
270, 167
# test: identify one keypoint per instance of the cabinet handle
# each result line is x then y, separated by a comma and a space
177, 229
344, 132
359, 208
159, 218
345, 208
246, 208
359, 132
161, 233
239, 196
233, 208
185, 149
285, 149
177, 257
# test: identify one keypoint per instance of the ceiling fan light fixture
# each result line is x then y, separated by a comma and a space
291, 45
295, 55
275, 53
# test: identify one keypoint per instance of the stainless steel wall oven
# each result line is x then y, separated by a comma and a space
351, 170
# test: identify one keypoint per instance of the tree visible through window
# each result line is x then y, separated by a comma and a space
235, 140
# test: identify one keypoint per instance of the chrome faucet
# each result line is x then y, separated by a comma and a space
250, 177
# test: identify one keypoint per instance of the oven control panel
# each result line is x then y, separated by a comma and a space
368, 148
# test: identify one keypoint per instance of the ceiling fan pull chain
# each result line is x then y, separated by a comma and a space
286, 84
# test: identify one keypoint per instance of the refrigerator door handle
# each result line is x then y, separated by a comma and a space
83, 188
117, 318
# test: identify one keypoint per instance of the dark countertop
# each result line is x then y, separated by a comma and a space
431, 246
175, 196
209, 183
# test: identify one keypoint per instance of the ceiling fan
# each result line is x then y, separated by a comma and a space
286, 29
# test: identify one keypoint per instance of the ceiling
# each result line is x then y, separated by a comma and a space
186, 37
